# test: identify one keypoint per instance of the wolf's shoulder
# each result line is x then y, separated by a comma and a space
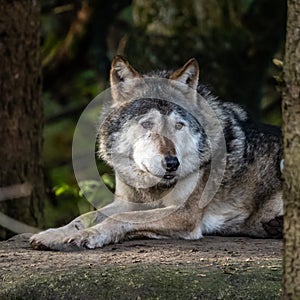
233, 114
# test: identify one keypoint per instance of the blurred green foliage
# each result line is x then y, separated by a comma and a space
234, 41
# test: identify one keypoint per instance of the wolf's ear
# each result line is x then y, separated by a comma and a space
121, 73
188, 74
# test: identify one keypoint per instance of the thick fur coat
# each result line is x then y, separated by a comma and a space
186, 165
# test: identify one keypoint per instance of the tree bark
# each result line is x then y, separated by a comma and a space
21, 180
291, 131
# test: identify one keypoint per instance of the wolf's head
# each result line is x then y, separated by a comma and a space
150, 135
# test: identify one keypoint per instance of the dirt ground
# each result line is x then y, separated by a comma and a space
22, 268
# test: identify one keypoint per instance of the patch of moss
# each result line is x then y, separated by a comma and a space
150, 282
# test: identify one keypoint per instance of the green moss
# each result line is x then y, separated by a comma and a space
149, 282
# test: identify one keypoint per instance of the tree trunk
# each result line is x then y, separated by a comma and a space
21, 180
291, 131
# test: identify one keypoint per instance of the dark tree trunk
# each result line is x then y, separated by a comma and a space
21, 180
291, 131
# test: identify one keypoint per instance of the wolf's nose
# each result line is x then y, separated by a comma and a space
171, 163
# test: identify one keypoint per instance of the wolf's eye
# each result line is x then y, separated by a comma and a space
147, 124
179, 125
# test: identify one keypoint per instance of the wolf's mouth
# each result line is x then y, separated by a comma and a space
168, 176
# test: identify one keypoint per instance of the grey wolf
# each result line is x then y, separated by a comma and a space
161, 134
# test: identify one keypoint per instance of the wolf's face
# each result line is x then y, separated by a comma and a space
151, 141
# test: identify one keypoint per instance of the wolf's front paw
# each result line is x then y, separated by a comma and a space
51, 239
88, 238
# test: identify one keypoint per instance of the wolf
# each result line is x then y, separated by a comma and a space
186, 165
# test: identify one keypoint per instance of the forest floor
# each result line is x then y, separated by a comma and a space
212, 268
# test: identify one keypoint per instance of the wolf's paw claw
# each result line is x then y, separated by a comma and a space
38, 245
85, 239
50, 239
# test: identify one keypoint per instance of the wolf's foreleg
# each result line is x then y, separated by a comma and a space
159, 223
52, 239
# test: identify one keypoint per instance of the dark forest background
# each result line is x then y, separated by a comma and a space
239, 45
